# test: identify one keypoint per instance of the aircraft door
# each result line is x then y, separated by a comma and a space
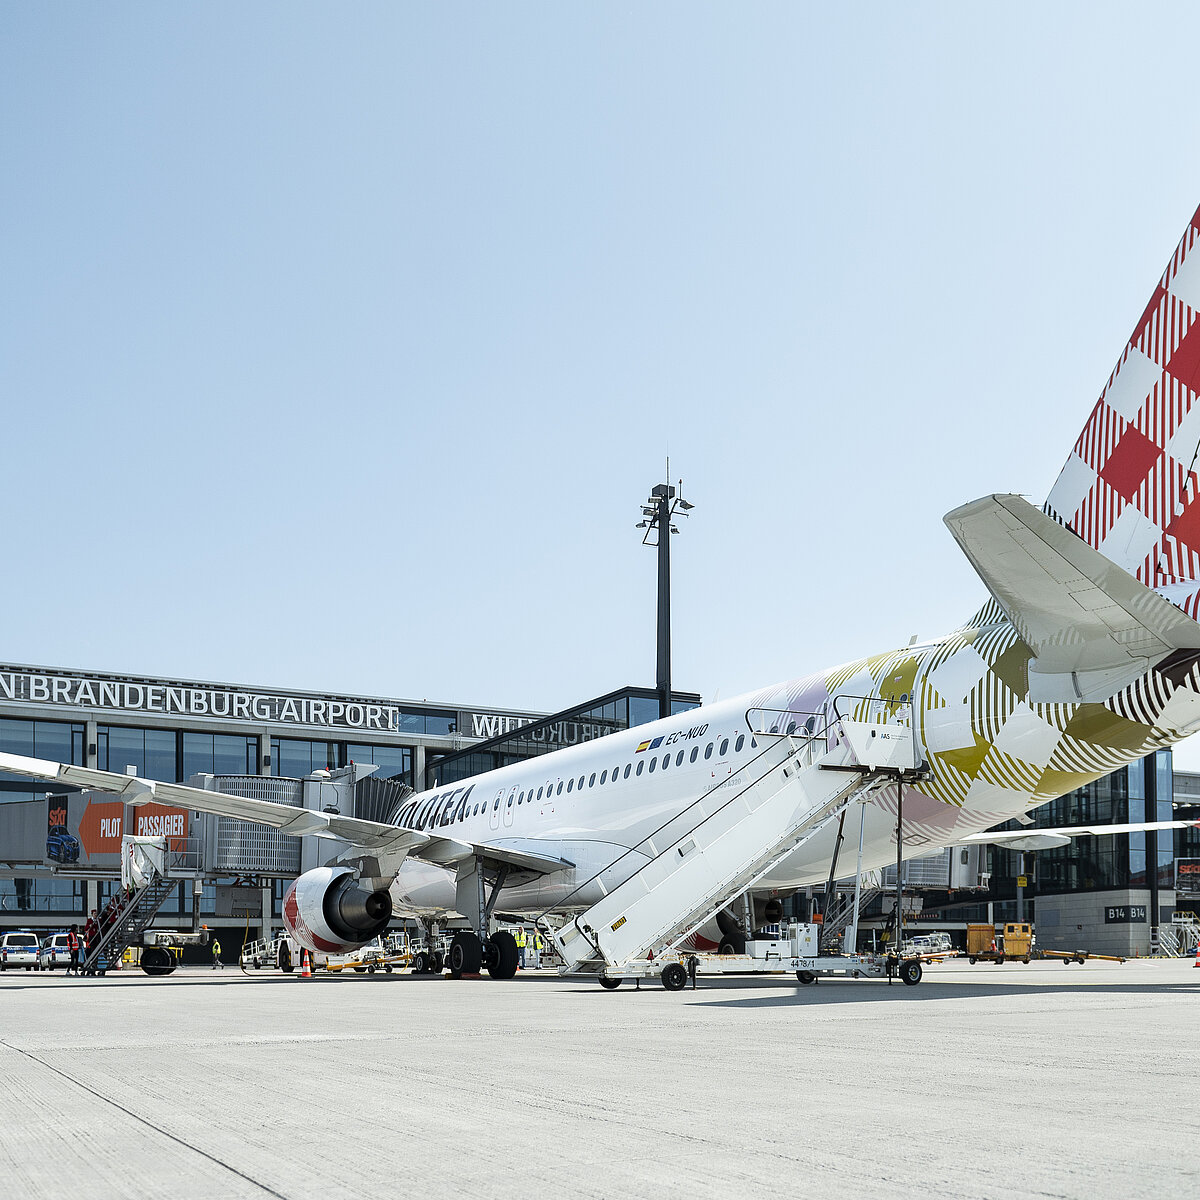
494, 814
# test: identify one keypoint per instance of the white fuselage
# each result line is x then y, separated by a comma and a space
590, 804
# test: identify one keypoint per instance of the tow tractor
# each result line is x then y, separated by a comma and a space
366, 959
798, 952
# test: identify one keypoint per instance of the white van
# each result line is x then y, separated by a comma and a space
54, 953
18, 950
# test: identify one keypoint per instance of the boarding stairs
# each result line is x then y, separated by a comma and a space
132, 921
735, 834
840, 916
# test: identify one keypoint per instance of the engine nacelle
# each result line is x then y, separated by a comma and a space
328, 909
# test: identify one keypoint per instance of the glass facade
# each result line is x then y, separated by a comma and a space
219, 754
586, 722
152, 753
56, 740
35, 896
292, 758
394, 762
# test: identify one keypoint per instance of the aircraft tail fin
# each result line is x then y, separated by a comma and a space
1130, 488
1093, 628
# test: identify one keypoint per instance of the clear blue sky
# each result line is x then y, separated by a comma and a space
339, 345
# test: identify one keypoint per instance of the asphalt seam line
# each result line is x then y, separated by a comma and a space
142, 1120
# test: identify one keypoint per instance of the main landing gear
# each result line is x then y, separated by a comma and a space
498, 955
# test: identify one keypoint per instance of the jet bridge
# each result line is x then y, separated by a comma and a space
808, 770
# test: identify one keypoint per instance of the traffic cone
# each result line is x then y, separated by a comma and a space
305, 967
1197, 962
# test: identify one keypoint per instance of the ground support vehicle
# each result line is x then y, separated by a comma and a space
279, 950
797, 952
160, 949
1079, 956
1014, 945
366, 959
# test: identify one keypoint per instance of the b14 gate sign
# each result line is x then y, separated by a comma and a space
1124, 914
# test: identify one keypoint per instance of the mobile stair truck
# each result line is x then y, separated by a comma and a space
810, 769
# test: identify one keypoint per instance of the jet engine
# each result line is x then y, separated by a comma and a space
328, 909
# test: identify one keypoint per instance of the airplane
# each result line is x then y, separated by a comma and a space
1086, 657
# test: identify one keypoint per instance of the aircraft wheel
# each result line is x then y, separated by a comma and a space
438, 963
910, 972
285, 958
609, 985
420, 963
466, 955
502, 958
806, 977
674, 977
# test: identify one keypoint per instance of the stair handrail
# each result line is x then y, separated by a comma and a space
806, 741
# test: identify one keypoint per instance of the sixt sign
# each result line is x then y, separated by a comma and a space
1187, 875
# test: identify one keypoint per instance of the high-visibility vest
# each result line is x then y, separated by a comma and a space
216, 947
73, 942
521, 938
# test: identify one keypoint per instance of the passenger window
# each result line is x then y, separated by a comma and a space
666, 761
580, 783
692, 756
615, 773
570, 784
592, 781
739, 743
539, 793
559, 791
496, 805
724, 747
653, 765
627, 766
521, 798
476, 812
603, 777
509, 804
754, 743
640, 766
679, 759
708, 750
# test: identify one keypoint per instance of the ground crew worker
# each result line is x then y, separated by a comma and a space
520, 935
73, 947
217, 955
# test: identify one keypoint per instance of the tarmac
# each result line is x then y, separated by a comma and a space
986, 1081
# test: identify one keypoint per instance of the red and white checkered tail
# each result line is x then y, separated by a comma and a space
1130, 488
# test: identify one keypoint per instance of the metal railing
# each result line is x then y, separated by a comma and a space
683, 823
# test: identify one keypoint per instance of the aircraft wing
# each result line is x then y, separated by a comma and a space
374, 836
1047, 839
1092, 626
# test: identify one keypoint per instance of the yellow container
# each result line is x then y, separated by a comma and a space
1018, 940
980, 938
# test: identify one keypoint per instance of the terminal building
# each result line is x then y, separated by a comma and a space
59, 856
